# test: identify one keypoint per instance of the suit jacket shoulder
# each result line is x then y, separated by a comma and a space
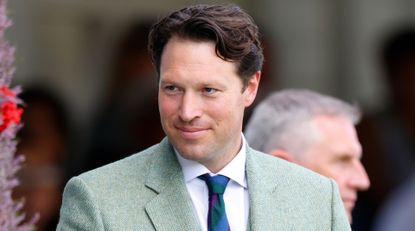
145, 191
286, 196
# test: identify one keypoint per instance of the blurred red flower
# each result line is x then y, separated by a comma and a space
9, 111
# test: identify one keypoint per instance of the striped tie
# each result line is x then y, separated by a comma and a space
217, 220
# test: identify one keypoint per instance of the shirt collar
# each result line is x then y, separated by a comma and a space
235, 170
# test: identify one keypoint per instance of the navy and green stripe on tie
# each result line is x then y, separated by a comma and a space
217, 220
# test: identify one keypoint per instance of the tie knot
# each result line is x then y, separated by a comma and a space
216, 184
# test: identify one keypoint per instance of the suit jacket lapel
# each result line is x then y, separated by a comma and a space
172, 208
262, 197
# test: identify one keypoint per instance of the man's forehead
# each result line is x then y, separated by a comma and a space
178, 49
339, 135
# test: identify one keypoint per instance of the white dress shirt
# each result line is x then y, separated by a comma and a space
236, 194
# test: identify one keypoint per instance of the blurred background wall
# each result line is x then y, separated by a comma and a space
320, 44
329, 46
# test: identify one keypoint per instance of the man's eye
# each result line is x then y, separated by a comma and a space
209, 90
171, 88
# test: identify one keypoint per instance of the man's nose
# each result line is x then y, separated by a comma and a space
190, 107
360, 178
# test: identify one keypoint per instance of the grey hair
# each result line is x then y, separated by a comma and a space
283, 119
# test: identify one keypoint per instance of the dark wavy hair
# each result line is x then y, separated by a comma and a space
232, 30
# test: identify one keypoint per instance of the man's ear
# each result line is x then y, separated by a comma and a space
252, 88
283, 155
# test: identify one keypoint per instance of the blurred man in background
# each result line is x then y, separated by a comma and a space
129, 106
43, 140
315, 131
388, 135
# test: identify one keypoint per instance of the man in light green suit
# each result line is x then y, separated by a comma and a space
208, 59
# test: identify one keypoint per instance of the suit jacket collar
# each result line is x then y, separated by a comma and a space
172, 208
178, 213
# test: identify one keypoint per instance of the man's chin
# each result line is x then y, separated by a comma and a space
189, 153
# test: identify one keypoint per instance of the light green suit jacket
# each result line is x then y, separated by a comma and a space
146, 191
